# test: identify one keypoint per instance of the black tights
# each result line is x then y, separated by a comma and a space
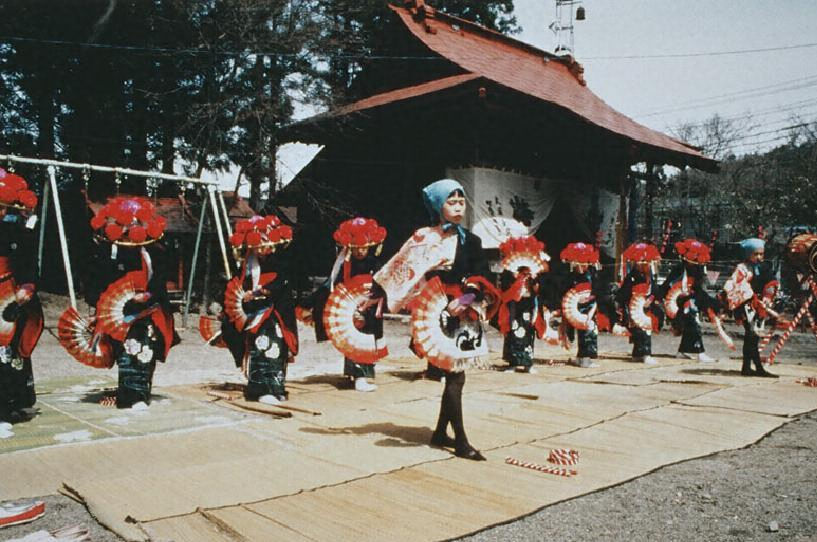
751, 353
451, 409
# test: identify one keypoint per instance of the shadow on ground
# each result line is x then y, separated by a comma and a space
398, 436
340, 382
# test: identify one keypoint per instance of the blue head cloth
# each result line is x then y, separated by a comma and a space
434, 196
750, 245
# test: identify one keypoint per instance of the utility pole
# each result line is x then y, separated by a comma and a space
562, 25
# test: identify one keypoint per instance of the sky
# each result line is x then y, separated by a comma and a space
664, 92
696, 74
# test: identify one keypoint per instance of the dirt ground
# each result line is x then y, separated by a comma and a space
732, 495
729, 496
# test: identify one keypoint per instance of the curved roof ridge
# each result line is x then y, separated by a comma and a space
524, 68
419, 10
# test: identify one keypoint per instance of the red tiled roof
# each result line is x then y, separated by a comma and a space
524, 68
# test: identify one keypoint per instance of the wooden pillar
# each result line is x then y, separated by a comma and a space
652, 189
620, 221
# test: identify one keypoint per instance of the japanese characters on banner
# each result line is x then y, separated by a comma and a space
504, 204
594, 206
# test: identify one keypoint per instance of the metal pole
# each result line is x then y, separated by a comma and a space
212, 192
191, 278
224, 209
66, 261
121, 171
46, 195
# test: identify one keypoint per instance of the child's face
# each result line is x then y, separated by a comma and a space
644, 267
359, 253
454, 209
264, 251
757, 256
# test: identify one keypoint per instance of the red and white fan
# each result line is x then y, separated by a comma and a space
78, 337
671, 298
210, 330
638, 308
578, 295
110, 310
7, 297
722, 334
430, 341
551, 335
339, 321
233, 307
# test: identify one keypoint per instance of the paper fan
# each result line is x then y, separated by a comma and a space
110, 310
578, 295
550, 336
77, 336
233, 305
430, 341
722, 334
638, 308
7, 291
339, 322
210, 330
671, 298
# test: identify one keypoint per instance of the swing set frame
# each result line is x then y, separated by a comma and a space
213, 197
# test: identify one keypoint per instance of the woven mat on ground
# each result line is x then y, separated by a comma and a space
302, 464
417, 503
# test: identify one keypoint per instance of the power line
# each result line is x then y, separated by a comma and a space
802, 107
766, 132
751, 117
796, 111
759, 143
744, 91
194, 51
709, 53
200, 51
726, 100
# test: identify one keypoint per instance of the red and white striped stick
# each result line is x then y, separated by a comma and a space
564, 456
813, 284
793, 324
541, 468
768, 338
554, 363
764, 342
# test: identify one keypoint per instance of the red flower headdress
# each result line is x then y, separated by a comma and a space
693, 251
642, 252
129, 221
14, 192
524, 252
260, 232
360, 232
580, 254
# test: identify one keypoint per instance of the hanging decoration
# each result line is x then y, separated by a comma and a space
129, 221
14, 192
